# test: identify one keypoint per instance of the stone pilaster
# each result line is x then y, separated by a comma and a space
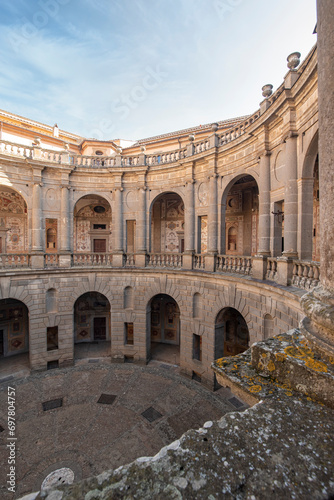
65, 226
118, 228
260, 260
212, 223
291, 197
189, 230
318, 305
141, 228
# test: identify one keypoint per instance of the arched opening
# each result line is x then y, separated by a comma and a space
167, 224
14, 328
240, 217
231, 333
316, 213
92, 323
164, 329
13, 222
128, 297
92, 225
268, 326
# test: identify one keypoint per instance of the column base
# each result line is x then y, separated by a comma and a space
140, 259
284, 270
37, 260
65, 260
187, 261
118, 259
210, 262
259, 267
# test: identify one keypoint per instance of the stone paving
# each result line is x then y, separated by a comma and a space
90, 437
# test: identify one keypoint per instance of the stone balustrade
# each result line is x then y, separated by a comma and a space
199, 147
306, 274
164, 260
234, 264
271, 268
92, 259
14, 149
8, 261
198, 261
84, 161
237, 131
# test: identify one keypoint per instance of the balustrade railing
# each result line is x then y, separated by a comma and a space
239, 264
16, 149
198, 261
164, 260
93, 161
129, 260
271, 268
237, 131
201, 146
8, 261
92, 259
305, 274
51, 260
50, 155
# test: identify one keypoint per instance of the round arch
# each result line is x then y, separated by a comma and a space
91, 318
14, 327
14, 221
239, 215
308, 236
166, 223
231, 333
163, 328
92, 225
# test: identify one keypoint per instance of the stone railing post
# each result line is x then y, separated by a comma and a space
65, 226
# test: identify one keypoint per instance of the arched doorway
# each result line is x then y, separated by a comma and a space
240, 217
316, 214
13, 222
14, 328
164, 328
167, 224
231, 333
91, 318
92, 225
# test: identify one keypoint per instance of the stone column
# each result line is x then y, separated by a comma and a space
189, 223
290, 198
212, 224
318, 305
141, 228
260, 260
285, 263
65, 226
118, 228
37, 257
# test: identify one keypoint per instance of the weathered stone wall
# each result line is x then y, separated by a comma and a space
252, 299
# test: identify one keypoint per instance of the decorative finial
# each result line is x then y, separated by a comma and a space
267, 90
293, 60
191, 138
214, 127
143, 148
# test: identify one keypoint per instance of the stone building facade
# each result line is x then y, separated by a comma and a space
202, 238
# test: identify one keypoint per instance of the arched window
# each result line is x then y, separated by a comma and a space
197, 305
51, 301
268, 327
128, 297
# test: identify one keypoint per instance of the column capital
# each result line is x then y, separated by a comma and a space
292, 134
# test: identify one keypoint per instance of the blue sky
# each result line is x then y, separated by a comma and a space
134, 68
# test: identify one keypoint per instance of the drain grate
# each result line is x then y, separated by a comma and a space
52, 404
165, 367
1, 428
94, 360
151, 414
235, 402
106, 399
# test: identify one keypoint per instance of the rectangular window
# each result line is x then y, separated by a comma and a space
52, 338
197, 347
99, 226
128, 330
